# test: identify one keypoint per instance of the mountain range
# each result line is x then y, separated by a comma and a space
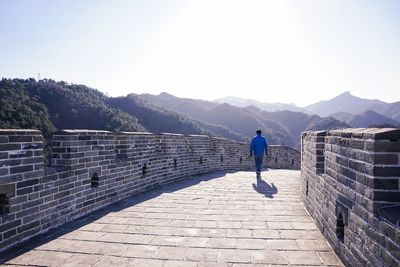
353, 110
243, 102
366, 119
281, 127
344, 102
48, 105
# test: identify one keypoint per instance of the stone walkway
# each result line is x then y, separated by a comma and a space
222, 219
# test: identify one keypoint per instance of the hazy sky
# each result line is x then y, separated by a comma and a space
273, 51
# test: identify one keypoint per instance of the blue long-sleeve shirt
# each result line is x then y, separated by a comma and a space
258, 145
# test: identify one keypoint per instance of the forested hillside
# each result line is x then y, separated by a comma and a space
48, 105
18, 109
158, 119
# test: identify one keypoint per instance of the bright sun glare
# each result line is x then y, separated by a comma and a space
227, 48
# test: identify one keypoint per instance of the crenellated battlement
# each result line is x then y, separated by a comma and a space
92, 169
351, 187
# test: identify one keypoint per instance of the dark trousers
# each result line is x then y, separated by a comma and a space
259, 160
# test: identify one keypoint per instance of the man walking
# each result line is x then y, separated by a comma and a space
258, 146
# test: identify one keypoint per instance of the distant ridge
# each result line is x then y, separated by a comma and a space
281, 127
391, 110
47, 105
243, 102
344, 102
366, 119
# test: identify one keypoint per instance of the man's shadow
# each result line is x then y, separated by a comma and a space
262, 187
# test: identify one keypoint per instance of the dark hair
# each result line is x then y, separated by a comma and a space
258, 132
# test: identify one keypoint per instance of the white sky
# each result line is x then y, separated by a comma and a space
272, 51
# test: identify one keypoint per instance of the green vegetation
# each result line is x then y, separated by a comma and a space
48, 105
156, 119
19, 109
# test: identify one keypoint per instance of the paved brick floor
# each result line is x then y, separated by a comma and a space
222, 219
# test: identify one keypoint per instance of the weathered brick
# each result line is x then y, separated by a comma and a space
32, 203
20, 138
387, 171
385, 134
386, 159
8, 189
386, 146
27, 183
62, 194
349, 173
89, 202
38, 153
38, 166
10, 233
389, 259
7, 226
347, 157
47, 192
10, 241
66, 187
18, 200
34, 174
57, 150
32, 217
33, 160
24, 191
81, 171
3, 155
7, 147
10, 162
392, 184
390, 196
84, 137
72, 155
4, 171
21, 169
357, 165
28, 226
345, 200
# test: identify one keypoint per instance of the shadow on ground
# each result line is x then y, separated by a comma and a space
262, 187
66, 228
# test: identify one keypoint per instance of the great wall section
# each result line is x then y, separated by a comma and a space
351, 187
350, 180
92, 169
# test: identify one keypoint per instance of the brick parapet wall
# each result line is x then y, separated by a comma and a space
92, 169
360, 176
